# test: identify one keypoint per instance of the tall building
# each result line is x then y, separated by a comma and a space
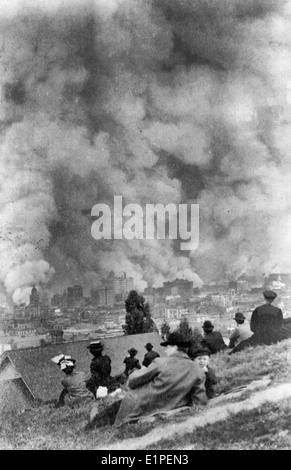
106, 297
120, 285
127, 284
95, 297
34, 303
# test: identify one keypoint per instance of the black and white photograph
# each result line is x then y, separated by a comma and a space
145, 227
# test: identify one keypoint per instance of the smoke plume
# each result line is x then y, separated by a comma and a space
155, 100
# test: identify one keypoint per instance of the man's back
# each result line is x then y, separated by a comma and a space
213, 341
131, 363
101, 367
266, 313
149, 357
266, 322
167, 383
240, 333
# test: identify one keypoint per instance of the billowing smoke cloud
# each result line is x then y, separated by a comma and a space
158, 101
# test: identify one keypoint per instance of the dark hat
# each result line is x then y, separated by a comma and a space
132, 351
269, 294
207, 325
96, 346
176, 339
239, 316
149, 346
200, 352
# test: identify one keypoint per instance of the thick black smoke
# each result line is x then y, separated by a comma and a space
158, 101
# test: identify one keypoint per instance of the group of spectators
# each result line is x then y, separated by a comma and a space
182, 378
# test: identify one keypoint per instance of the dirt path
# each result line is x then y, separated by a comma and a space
209, 416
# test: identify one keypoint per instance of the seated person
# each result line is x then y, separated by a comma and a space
150, 355
131, 362
241, 332
166, 384
75, 389
100, 368
201, 356
212, 340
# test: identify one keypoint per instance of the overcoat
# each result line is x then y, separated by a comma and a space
266, 322
213, 340
167, 383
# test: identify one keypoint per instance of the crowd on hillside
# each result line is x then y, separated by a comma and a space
183, 378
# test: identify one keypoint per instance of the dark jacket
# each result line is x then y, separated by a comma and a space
130, 364
149, 357
100, 368
266, 322
213, 341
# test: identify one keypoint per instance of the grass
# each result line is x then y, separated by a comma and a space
46, 427
265, 428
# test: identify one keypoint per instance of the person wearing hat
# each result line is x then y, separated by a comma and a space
100, 368
166, 384
212, 340
201, 356
74, 383
131, 362
266, 320
150, 355
241, 332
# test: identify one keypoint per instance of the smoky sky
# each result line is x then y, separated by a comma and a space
159, 101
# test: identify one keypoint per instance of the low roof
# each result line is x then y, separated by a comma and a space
43, 377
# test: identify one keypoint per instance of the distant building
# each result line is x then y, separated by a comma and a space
170, 313
180, 287
120, 285
106, 297
74, 295
57, 300
221, 300
95, 297
113, 289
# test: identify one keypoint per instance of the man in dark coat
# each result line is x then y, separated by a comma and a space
212, 339
150, 355
267, 320
131, 362
100, 368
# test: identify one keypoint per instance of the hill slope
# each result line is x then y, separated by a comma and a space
263, 424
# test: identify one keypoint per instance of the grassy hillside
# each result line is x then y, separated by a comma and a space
46, 427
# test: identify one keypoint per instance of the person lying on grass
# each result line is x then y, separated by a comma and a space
75, 389
166, 384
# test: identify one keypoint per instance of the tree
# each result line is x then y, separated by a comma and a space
138, 318
165, 330
185, 329
190, 334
